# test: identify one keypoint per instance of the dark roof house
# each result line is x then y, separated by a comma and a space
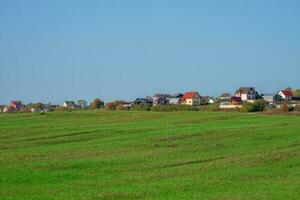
70, 104
225, 96
177, 95
144, 101
161, 99
246, 93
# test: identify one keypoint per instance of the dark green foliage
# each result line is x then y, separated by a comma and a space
277, 98
258, 96
63, 109
82, 103
256, 106
141, 107
168, 108
214, 107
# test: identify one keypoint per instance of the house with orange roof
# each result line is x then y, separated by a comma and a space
191, 98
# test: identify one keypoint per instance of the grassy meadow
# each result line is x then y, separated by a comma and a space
149, 155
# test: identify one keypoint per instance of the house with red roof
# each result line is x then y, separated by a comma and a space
236, 100
286, 94
16, 105
191, 98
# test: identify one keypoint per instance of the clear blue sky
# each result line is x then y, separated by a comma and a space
54, 50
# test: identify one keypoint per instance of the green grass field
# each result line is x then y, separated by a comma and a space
149, 155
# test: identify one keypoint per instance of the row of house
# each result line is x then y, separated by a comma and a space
249, 94
226, 100
13, 106
18, 106
188, 98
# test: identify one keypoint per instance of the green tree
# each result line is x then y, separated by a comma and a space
277, 98
256, 106
258, 96
82, 103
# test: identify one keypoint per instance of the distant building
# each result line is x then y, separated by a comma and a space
225, 97
174, 101
191, 98
161, 99
36, 110
246, 93
205, 100
53, 106
144, 101
286, 95
236, 100
7, 109
269, 98
16, 105
211, 101
69, 104
296, 98
177, 95
127, 105
2, 107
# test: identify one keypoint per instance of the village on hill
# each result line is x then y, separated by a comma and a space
244, 98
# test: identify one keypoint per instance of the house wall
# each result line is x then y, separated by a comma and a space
230, 106
268, 98
283, 96
246, 96
195, 101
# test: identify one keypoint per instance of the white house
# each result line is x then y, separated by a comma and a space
211, 101
246, 93
269, 98
286, 95
70, 104
174, 101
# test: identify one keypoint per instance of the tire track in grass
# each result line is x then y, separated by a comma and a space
191, 162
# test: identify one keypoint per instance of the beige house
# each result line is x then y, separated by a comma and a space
191, 98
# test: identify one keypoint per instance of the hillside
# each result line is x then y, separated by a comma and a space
152, 155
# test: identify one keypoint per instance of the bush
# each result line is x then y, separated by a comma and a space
120, 107
214, 107
271, 108
141, 107
297, 108
63, 109
170, 108
256, 106
284, 107
116, 105
110, 106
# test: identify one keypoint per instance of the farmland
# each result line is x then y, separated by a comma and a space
149, 155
